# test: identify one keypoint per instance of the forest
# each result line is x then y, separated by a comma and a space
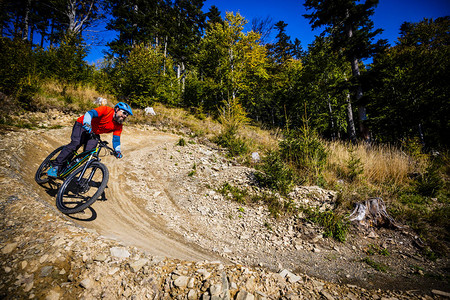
173, 53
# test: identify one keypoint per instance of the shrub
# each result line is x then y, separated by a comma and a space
235, 145
275, 205
232, 117
16, 66
233, 193
276, 174
354, 166
305, 151
430, 182
334, 225
376, 265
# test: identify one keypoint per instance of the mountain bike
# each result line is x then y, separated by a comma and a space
84, 177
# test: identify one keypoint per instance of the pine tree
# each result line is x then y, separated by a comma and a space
349, 25
283, 49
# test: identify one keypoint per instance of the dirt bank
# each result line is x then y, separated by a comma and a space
161, 201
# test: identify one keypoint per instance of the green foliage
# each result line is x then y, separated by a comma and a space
429, 217
273, 203
375, 249
276, 174
22, 69
410, 78
235, 145
268, 226
233, 117
430, 183
233, 62
376, 265
193, 171
146, 77
354, 166
321, 89
305, 151
181, 142
67, 60
334, 225
233, 193
17, 68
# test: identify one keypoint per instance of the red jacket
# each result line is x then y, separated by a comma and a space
102, 121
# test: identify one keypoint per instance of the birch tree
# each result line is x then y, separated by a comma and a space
234, 60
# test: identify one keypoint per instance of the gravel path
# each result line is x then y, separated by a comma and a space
162, 207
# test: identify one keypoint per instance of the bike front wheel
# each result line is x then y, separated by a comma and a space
81, 189
41, 174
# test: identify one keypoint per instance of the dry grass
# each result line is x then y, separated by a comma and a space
69, 97
381, 164
260, 139
175, 119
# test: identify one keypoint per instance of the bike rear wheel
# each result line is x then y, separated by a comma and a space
80, 190
41, 174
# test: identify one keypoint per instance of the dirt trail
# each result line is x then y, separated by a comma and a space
152, 203
123, 216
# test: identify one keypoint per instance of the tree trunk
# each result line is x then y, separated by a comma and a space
165, 55
26, 21
333, 133
362, 117
351, 123
51, 33
42, 39
76, 19
31, 34
363, 130
17, 27
183, 77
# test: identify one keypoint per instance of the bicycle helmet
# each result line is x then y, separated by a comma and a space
125, 107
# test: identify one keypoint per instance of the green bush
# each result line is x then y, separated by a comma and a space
17, 66
354, 166
333, 224
148, 76
276, 174
305, 151
430, 183
66, 62
233, 193
376, 265
235, 145
181, 142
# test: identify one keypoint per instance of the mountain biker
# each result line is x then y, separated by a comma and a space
103, 119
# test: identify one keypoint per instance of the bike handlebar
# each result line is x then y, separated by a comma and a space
103, 144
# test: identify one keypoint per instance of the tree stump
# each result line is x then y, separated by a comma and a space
372, 213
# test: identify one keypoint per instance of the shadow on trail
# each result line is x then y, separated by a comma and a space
51, 187
88, 215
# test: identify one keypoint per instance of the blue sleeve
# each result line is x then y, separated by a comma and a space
116, 142
89, 115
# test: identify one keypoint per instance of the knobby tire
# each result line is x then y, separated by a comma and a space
45, 166
72, 197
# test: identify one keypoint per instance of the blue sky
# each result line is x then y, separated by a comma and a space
389, 15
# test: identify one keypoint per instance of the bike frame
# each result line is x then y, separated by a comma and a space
86, 156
